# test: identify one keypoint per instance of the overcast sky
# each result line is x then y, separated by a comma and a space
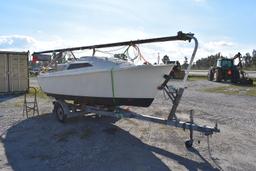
225, 26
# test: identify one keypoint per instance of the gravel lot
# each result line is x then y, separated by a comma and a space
87, 143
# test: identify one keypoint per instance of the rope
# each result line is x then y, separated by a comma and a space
113, 50
106, 52
126, 52
110, 52
139, 54
112, 85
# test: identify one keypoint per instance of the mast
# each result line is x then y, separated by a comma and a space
179, 36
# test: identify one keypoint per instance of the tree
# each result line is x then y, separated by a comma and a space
254, 57
206, 63
247, 59
254, 53
166, 59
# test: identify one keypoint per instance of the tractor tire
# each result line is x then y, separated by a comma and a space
210, 75
218, 74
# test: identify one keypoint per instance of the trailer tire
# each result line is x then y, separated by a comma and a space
59, 112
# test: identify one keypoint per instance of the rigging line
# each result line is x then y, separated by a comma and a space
134, 52
127, 49
117, 49
135, 49
104, 52
127, 52
109, 51
140, 54
73, 55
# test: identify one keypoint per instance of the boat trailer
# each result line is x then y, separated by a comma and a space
64, 109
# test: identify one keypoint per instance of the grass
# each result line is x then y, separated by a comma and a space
234, 90
196, 78
228, 89
202, 77
19, 104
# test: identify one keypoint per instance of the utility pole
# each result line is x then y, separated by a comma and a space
158, 58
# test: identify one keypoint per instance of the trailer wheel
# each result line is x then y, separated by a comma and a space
59, 112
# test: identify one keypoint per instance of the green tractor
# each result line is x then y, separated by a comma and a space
226, 70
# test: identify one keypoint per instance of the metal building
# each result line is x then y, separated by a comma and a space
14, 75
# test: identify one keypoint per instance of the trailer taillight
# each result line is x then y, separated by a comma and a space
229, 72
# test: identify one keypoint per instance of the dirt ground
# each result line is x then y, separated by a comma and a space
102, 143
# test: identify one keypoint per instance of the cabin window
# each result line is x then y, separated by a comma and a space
227, 63
79, 65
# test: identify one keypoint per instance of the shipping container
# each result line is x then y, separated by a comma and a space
14, 75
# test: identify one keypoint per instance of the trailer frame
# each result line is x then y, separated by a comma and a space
64, 110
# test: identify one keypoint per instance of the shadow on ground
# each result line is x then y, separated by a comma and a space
42, 143
5, 97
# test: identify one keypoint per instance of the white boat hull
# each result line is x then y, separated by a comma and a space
135, 86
